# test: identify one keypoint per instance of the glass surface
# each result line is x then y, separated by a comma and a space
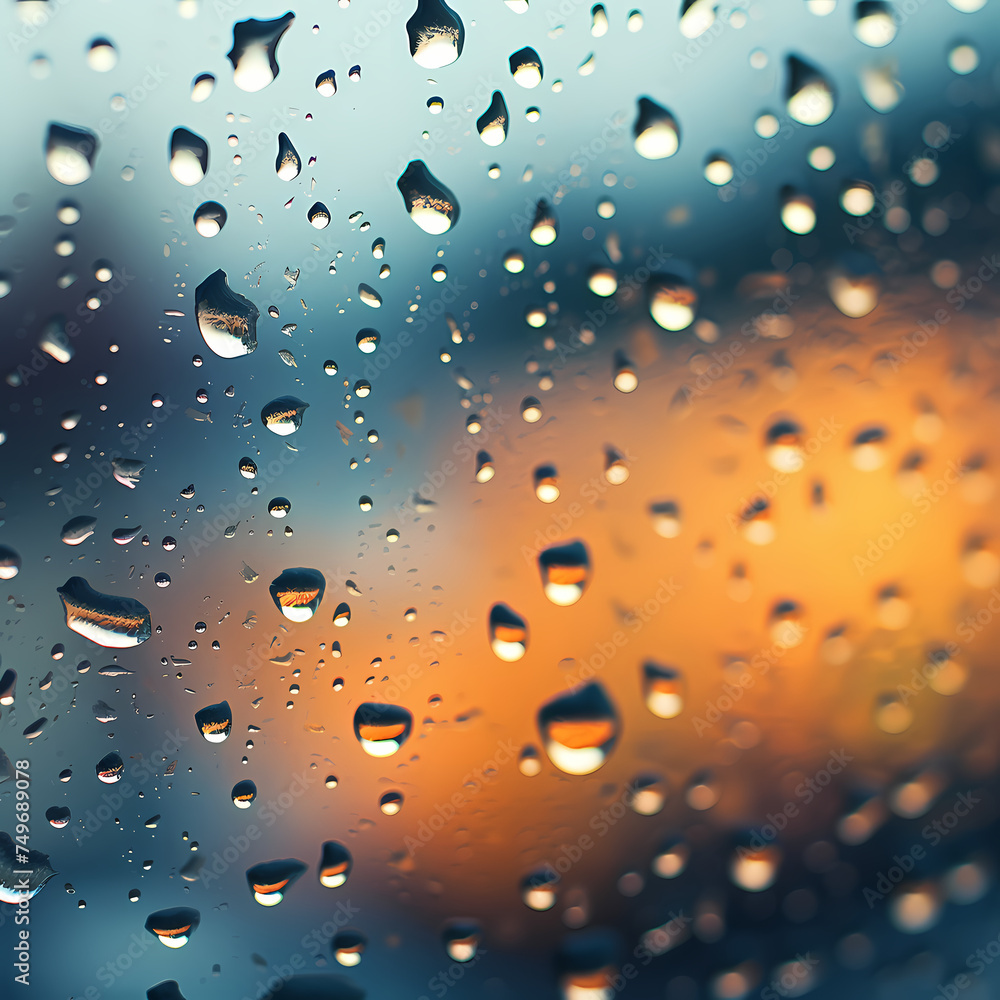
500, 498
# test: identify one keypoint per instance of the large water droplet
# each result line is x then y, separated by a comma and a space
115, 622
436, 34
429, 203
110, 768
492, 123
657, 134
175, 926
672, 301
508, 633
811, 96
381, 729
283, 416
253, 54
544, 227
288, 163
270, 880
188, 157
78, 529
297, 593
209, 218
526, 68
244, 792
335, 864
69, 153
874, 23
579, 729
215, 722
663, 690
227, 320
565, 572
461, 939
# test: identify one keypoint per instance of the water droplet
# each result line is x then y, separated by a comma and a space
254, 51
485, 470
798, 212
69, 153
513, 261
188, 157
318, 215
244, 792
461, 939
579, 729
603, 281
754, 870
215, 722
209, 218
546, 483
429, 203
173, 927
672, 301
538, 890
662, 690
270, 880
326, 83
115, 622
436, 34
348, 947
783, 446
297, 593
58, 816
110, 768
526, 68
78, 529
657, 134
335, 862
718, 169
545, 227
565, 572
390, 803
493, 122
381, 729
508, 633
227, 320
874, 23
279, 507
811, 97
283, 416
202, 87
287, 164
625, 378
